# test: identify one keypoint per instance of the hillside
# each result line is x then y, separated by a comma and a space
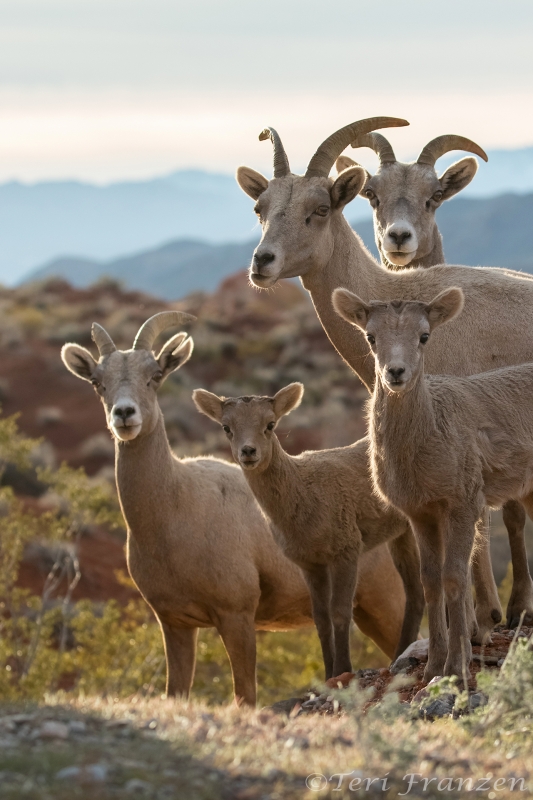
489, 232
43, 221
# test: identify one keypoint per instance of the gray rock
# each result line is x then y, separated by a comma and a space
404, 663
53, 730
136, 786
440, 707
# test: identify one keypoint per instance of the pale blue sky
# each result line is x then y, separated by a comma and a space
106, 89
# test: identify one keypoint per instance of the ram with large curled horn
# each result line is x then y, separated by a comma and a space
299, 213
404, 197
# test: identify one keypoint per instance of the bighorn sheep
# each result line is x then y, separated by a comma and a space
306, 234
322, 512
404, 197
442, 448
199, 548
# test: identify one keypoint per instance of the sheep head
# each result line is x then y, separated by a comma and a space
249, 422
298, 213
404, 197
127, 380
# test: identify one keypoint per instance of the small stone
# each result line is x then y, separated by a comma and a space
77, 726
440, 707
402, 664
117, 723
68, 773
418, 650
136, 786
477, 700
500, 662
53, 730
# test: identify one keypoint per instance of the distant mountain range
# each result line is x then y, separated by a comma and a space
44, 221
491, 232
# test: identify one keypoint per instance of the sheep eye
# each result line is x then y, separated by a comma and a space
226, 429
424, 338
257, 211
270, 426
322, 211
369, 194
370, 339
156, 378
437, 196
95, 383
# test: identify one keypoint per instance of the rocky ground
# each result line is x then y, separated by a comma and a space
406, 677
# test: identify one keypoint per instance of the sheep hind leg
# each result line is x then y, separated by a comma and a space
318, 580
488, 608
521, 598
404, 552
343, 582
238, 634
180, 652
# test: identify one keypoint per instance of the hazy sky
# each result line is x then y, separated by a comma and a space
107, 89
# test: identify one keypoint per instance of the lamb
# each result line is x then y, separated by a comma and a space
442, 448
198, 546
305, 234
322, 513
404, 197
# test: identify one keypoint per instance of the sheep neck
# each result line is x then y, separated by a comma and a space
278, 488
145, 472
401, 427
350, 266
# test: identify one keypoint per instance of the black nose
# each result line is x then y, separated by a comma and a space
395, 372
124, 412
400, 236
247, 450
262, 259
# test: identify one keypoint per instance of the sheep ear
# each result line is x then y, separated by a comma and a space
445, 306
208, 403
350, 307
347, 186
175, 353
287, 399
457, 176
251, 182
79, 361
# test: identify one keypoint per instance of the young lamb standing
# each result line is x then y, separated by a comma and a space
322, 512
306, 234
442, 448
199, 548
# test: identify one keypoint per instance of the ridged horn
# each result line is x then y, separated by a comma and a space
150, 330
443, 144
102, 340
377, 143
281, 162
324, 158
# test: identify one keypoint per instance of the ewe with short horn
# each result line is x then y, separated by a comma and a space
381, 146
102, 340
281, 162
330, 149
151, 329
443, 144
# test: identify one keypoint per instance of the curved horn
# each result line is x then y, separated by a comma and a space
102, 340
443, 144
377, 143
281, 162
150, 330
324, 158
